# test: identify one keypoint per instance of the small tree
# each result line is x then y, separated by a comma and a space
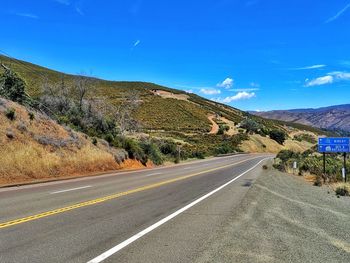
251, 126
278, 136
82, 88
12, 87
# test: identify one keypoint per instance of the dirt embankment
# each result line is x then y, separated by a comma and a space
33, 147
284, 219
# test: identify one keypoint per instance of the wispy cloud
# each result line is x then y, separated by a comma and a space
227, 83
210, 91
62, 2
79, 11
239, 96
319, 81
137, 42
333, 18
27, 15
247, 90
312, 67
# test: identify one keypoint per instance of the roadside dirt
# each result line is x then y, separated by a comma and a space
284, 219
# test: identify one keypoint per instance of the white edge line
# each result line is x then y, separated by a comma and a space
132, 239
152, 174
69, 190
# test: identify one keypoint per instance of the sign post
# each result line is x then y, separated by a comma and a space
344, 168
334, 145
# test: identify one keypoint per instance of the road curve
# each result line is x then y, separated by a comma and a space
125, 217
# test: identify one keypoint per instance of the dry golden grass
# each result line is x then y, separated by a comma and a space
24, 159
260, 144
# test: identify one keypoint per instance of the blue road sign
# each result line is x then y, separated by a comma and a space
335, 141
333, 148
334, 145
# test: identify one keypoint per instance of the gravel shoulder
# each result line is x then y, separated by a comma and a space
284, 219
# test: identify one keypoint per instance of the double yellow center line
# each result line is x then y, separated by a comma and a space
110, 197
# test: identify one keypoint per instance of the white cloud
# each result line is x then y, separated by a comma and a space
227, 83
319, 81
328, 79
333, 18
239, 96
312, 67
189, 91
137, 42
340, 75
32, 16
210, 91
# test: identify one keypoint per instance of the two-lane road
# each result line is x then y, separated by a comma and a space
153, 215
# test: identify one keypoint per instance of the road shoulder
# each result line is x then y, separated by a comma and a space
284, 219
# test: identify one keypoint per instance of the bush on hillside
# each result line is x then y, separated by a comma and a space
278, 136
285, 155
10, 114
305, 137
152, 151
12, 87
223, 129
251, 126
134, 150
342, 190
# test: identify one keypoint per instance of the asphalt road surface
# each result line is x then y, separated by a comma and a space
165, 214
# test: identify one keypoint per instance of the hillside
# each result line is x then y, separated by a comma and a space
330, 118
162, 113
33, 147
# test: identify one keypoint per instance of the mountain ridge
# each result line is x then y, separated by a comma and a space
335, 117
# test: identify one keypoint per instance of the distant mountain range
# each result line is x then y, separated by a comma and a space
331, 118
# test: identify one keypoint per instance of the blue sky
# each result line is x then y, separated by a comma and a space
251, 54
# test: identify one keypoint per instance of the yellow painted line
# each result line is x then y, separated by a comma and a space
110, 197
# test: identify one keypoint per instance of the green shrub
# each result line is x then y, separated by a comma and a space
251, 126
342, 191
278, 136
109, 138
285, 155
134, 150
223, 129
31, 116
94, 141
12, 86
152, 151
168, 148
305, 137
10, 114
